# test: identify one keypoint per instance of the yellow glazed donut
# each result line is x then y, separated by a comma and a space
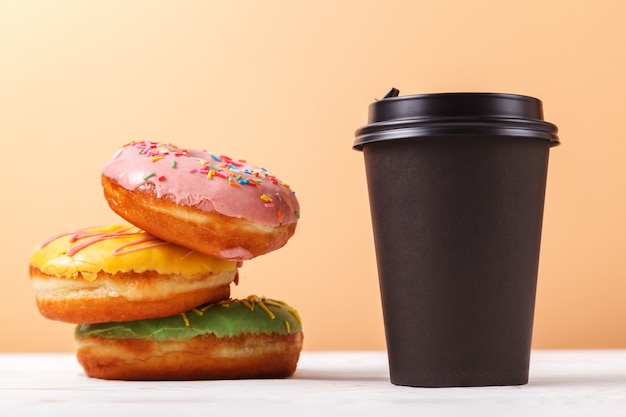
211, 203
250, 338
120, 273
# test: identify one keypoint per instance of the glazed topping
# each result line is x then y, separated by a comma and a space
119, 248
252, 315
207, 181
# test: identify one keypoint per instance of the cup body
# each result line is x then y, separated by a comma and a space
457, 220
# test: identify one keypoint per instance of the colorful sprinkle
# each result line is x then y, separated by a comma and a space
287, 327
266, 198
173, 164
185, 319
150, 175
295, 313
267, 310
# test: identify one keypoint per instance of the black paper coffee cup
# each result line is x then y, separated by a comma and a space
456, 184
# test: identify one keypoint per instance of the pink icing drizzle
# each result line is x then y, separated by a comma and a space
93, 237
205, 181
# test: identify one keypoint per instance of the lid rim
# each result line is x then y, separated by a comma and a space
453, 131
470, 121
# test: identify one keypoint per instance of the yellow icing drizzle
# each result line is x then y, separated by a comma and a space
119, 248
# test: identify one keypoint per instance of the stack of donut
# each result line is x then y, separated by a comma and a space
151, 297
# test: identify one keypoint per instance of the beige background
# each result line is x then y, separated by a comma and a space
284, 84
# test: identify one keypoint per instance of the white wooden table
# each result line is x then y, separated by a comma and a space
562, 383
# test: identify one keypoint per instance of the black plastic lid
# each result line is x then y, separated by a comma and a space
454, 114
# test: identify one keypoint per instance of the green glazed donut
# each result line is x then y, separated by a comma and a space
255, 337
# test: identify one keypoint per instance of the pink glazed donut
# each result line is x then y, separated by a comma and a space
210, 203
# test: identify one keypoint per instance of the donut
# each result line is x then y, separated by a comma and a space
255, 337
120, 272
211, 203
